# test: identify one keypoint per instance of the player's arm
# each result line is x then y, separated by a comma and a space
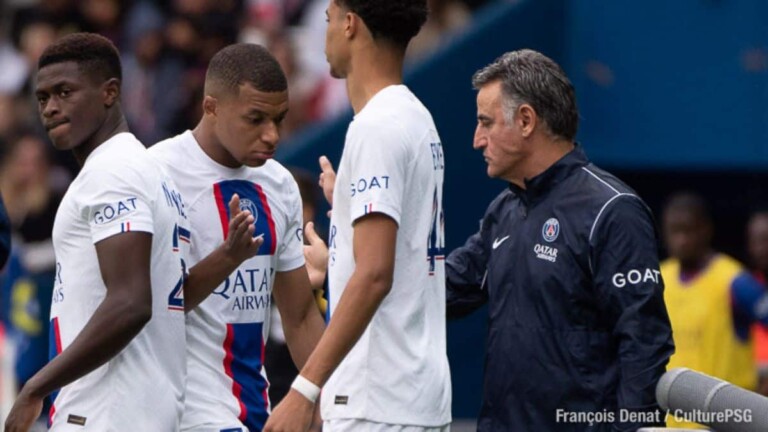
124, 261
211, 271
302, 322
374, 242
630, 295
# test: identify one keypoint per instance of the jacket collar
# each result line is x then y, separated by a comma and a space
539, 186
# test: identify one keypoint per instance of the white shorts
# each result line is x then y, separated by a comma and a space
356, 425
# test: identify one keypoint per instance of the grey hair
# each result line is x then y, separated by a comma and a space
530, 77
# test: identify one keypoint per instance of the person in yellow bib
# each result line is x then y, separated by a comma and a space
712, 300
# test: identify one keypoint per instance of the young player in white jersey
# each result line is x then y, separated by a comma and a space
230, 152
382, 361
118, 312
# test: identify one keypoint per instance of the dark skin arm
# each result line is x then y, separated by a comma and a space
124, 261
211, 271
302, 322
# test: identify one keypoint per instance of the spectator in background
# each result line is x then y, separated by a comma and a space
154, 107
446, 19
27, 186
282, 46
712, 300
757, 243
104, 17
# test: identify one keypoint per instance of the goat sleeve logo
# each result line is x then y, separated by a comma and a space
550, 230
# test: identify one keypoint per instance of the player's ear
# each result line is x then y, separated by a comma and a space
210, 105
111, 91
352, 24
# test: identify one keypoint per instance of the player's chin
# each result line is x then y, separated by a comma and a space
254, 162
60, 142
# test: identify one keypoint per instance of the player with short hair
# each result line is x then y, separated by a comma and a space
117, 327
230, 153
382, 361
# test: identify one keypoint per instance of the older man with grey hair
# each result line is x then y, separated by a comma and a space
566, 259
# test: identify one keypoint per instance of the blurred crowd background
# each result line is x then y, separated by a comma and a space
671, 94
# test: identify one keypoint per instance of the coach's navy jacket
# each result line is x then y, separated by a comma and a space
570, 271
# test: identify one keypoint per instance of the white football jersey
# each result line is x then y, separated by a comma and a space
121, 189
392, 163
226, 333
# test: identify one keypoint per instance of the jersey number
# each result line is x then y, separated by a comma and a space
176, 297
436, 240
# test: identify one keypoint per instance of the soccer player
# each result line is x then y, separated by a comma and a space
117, 316
382, 361
230, 153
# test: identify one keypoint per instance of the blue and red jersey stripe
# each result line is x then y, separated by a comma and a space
54, 349
243, 360
265, 224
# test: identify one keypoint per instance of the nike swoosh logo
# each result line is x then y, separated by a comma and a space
499, 241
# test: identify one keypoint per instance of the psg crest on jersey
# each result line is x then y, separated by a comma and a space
551, 230
246, 204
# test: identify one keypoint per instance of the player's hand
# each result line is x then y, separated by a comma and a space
316, 256
317, 419
293, 414
25, 411
240, 243
327, 179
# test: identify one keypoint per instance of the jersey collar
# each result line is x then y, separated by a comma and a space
539, 186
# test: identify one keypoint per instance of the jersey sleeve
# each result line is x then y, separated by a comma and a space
379, 161
114, 200
629, 291
290, 252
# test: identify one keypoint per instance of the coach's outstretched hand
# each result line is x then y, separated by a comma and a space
25, 411
293, 414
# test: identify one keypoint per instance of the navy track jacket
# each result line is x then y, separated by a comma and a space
569, 268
